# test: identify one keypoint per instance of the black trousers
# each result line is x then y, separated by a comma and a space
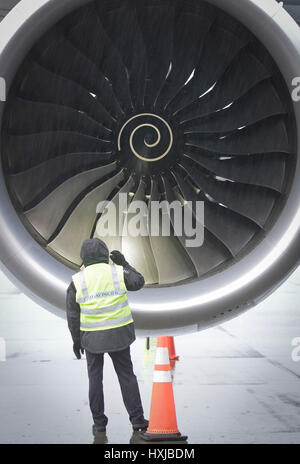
128, 383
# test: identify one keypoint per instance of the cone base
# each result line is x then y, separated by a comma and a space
163, 436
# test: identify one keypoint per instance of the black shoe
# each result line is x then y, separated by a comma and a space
143, 425
98, 429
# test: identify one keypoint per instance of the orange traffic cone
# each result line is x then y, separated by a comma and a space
171, 347
162, 423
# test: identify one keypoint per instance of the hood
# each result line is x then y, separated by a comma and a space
94, 251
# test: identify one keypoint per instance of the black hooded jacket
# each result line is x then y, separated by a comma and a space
95, 251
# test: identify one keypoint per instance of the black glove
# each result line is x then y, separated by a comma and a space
118, 258
78, 350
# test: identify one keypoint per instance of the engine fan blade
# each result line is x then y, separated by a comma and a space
79, 225
243, 112
156, 21
29, 150
250, 201
49, 175
224, 47
46, 216
29, 117
190, 31
62, 58
122, 27
265, 170
213, 253
39, 84
264, 137
113, 225
231, 229
103, 53
244, 73
172, 261
194, 253
137, 249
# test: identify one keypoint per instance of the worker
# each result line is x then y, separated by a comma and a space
100, 321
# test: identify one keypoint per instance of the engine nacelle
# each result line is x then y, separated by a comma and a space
158, 100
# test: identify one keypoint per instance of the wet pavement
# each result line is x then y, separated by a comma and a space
236, 383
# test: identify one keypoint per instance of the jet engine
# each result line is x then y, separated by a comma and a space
163, 101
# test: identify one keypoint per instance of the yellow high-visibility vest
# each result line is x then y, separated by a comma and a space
102, 296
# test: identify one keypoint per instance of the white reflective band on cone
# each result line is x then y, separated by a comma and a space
162, 376
162, 356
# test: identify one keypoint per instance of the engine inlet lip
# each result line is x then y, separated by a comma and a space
195, 305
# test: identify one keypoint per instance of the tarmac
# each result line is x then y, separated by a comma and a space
235, 383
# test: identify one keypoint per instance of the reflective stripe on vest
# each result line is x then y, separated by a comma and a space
105, 310
110, 323
83, 285
100, 310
